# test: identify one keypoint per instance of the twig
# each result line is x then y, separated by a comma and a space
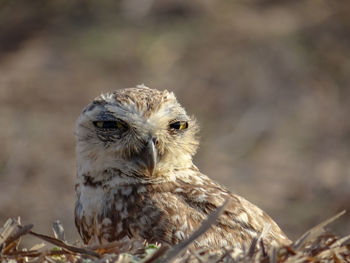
315, 230
62, 244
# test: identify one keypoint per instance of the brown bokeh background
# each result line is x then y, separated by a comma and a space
269, 82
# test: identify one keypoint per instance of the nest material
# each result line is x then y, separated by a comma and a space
314, 246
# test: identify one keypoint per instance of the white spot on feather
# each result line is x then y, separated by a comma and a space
108, 97
119, 227
124, 214
184, 226
223, 242
201, 198
142, 86
141, 189
243, 217
126, 191
119, 205
178, 190
106, 221
180, 235
175, 218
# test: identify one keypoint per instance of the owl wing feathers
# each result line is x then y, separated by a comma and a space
240, 222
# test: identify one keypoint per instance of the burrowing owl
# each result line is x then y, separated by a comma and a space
136, 177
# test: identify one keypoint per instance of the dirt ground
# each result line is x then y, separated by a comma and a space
269, 82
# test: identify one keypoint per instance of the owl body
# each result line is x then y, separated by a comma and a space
136, 178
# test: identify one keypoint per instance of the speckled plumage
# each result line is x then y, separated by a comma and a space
139, 180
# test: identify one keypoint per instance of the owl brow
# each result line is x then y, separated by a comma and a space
180, 118
106, 116
89, 108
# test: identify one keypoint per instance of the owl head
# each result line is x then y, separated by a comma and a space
143, 133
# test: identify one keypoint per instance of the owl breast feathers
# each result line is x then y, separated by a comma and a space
135, 177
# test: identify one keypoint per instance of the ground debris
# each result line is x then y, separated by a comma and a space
316, 245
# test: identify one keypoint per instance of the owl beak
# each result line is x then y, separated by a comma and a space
150, 156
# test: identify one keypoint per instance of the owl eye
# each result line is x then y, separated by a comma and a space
179, 125
109, 125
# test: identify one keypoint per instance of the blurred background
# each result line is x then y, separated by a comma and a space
269, 82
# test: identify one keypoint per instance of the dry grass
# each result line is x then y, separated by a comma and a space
316, 245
